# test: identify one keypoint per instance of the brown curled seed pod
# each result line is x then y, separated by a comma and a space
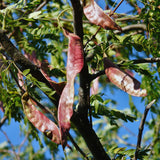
97, 16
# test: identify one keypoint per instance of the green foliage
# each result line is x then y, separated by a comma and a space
9, 95
42, 86
38, 30
123, 153
99, 108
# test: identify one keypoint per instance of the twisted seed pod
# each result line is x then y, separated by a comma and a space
122, 79
74, 66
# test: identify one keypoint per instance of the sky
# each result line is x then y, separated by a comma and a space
13, 131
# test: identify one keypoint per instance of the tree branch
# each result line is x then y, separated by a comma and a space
95, 75
23, 63
84, 85
6, 151
80, 116
41, 5
90, 137
77, 147
93, 36
129, 18
22, 143
141, 126
132, 27
77, 15
112, 12
146, 60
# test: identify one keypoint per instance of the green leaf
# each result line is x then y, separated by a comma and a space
96, 104
26, 72
117, 150
113, 114
34, 15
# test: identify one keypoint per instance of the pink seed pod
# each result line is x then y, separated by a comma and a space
74, 66
122, 79
39, 120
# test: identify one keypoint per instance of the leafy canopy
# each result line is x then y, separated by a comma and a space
132, 45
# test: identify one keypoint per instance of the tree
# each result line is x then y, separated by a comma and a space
78, 44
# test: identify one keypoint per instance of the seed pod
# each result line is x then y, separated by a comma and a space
122, 79
97, 16
74, 66
39, 120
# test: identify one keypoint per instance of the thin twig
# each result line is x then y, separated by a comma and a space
93, 36
141, 126
146, 60
95, 75
46, 109
136, 61
129, 131
129, 18
22, 143
41, 5
124, 142
6, 151
64, 19
132, 27
112, 12
77, 147
3, 121
91, 55
14, 152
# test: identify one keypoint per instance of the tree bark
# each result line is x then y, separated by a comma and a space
80, 116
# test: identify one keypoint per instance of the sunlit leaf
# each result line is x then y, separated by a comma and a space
97, 16
26, 71
39, 120
113, 114
117, 150
34, 15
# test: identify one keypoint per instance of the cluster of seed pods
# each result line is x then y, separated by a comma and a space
75, 64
